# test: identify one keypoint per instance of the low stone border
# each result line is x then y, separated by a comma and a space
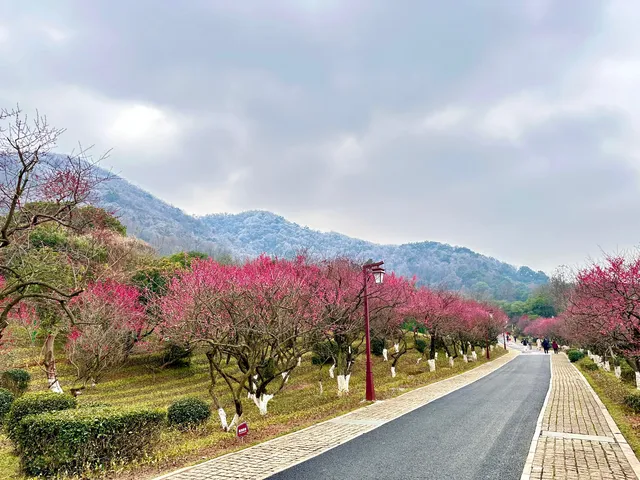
528, 464
624, 446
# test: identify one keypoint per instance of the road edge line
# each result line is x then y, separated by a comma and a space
617, 434
528, 464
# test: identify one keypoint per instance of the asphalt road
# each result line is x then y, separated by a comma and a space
482, 431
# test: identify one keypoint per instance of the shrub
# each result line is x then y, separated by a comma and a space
73, 441
6, 399
575, 355
633, 402
93, 405
588, 364
421, 345
35, 403
377, 346
188, 412
176, 355
16, 380
323, 352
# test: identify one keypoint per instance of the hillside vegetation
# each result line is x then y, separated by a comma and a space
249, 234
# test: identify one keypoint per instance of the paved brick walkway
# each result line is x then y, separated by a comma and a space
275, 455
577, 437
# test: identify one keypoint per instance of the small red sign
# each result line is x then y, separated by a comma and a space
242, 429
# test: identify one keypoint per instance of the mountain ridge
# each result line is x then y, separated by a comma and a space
248, 234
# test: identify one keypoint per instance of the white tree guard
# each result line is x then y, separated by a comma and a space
343, 384
55, 386
262, 402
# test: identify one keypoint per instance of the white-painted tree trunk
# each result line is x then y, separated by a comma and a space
474, 356
299, 361
451, 361
418, 361
285, 376
349, 349
384, 354
484, 351
618, 372
446, 354
223, 420
393, 372
638, 380
432, 365
343, 384
461, 352
397, 347
333, 367
436, 355
262, 402
321, 390
465, 359
54, 386
607, 366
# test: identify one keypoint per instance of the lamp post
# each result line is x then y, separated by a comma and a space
378, 276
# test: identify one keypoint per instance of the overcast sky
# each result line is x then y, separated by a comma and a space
510, 127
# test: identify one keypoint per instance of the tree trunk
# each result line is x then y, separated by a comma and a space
50, 364
446, 348
432, 347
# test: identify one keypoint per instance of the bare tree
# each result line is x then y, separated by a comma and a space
37, 187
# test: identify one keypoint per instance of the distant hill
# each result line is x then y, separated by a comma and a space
249, 234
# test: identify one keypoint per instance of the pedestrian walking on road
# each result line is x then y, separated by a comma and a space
538, 343
545, 345
555, 346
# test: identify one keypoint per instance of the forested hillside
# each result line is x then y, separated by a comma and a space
249, 234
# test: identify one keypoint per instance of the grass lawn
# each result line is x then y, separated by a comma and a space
297, 406
612, 392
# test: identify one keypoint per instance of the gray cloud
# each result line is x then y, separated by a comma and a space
508, 127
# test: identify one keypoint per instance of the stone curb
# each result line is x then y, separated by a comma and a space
624, 446
528, 464
508, 357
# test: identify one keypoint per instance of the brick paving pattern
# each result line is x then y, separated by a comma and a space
576, 441
275, 455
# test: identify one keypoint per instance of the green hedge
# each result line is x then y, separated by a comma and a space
588, 364
34, 403
421, 345
377, 346
633, 402
15, 380
74, 441
575, 355
6, 399
188, 412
